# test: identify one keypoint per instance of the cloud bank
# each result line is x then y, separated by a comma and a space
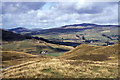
55, 14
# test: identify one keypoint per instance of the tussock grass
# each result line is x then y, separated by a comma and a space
94, 53
9, 55
61, 68
10, 58
85, 61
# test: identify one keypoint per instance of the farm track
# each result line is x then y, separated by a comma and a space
92, 63
21, 65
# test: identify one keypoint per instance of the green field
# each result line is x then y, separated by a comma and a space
34, 47
54, 54
89, 34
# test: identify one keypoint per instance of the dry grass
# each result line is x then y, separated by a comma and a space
9, 55
79, 50
85, 61
94, 53
58, 68
10, 58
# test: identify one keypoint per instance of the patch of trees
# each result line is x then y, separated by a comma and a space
109, 43
59, 43
107, 36
81, 37
89, 41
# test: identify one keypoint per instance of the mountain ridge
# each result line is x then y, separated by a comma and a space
10, 36
33, 31
88, 24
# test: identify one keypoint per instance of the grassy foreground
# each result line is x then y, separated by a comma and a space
58, 68
85, 61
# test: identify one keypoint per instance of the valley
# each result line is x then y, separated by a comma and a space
71, 51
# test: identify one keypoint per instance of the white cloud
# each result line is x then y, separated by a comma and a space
59, 14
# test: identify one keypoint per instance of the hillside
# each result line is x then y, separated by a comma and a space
85, 61
10, 58
9, 55
51, 53
101, 35
61, 68
10, 36
93, 53
94, 34
33, 46
21, 30
73, 28
17, 52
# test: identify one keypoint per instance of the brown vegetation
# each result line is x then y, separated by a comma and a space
85, 61
10, 58
94, 53
57, 68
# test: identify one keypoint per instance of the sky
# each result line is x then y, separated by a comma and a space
56, 14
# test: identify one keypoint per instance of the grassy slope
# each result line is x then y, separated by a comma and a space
78, 51
10, 36
71, 66
10, 58
9, 55
17, 52
58, 68
34, 47
94, 53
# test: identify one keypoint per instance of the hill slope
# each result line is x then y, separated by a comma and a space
34, 47
11, 58
81, 33
21, 30
10, 36
77, 33
9, 55
56, 68
94, 53
74, 28
81, 62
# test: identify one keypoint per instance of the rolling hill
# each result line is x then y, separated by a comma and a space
82, 33
77, 33
85, 61
34, 46
10, 36
22, 56
72, 28
93, 53
21, 30
11, 58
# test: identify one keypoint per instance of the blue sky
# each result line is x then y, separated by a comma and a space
56, 14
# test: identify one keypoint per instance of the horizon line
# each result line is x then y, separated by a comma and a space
66, 25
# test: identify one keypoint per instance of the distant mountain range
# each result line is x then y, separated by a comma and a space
22, 30
89, 24
71, 28
63, 29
